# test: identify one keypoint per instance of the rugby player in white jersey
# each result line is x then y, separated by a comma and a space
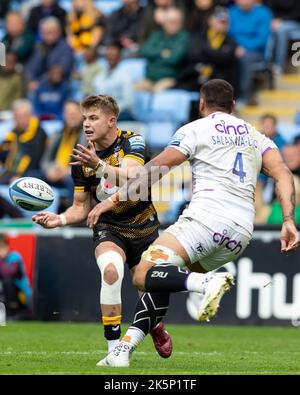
226, 156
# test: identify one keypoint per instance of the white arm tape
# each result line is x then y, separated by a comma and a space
63, 219
100, 168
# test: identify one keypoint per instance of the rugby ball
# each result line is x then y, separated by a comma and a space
31, 194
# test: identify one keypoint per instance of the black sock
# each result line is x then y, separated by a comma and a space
150, 310
166, 278
112, 332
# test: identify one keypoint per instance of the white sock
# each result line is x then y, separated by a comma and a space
134, 336
112, 344
195, 282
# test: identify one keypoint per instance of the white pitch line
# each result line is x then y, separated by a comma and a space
183, 353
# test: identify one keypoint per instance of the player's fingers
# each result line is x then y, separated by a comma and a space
283, 245
91, 145
95, 219
77, 153
82, 157
82, 148
293, 244
38, 217
75, 163
90, 219
91, 222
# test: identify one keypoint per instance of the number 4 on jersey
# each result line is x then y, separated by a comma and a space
238, 168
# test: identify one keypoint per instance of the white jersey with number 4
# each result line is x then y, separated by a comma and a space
225, 154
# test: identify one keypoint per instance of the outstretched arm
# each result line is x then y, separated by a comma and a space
75, 214
138, 185
274, 166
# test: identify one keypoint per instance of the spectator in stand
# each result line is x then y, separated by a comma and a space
197, 20
51, 94
265, 191
250, 29
11, 82
18, 39
268, 127
114, 81
55, 166
211, 54
89, 70
164, 51
124, 25
85, 25
44, 10
154, 17
52, 50
286, 21
16, 291
22, 149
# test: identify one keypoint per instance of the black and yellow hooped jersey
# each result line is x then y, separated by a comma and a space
131, 219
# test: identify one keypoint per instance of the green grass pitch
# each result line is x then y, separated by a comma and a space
74, 348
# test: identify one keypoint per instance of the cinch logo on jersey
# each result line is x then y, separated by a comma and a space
231, 245
229, 129
233, 135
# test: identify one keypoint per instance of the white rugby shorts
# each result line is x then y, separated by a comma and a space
208, 240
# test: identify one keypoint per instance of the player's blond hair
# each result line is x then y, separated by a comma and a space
104, 103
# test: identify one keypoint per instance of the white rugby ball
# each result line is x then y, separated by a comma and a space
31, 194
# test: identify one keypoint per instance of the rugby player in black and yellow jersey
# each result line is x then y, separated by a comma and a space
122, 234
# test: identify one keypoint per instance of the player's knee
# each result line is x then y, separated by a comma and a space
110, 274
111, 266
138, 278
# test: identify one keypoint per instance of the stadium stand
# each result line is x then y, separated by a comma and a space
157, 116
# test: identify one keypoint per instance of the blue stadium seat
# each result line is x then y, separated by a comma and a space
133, 126
108, 6
5, 127
52, 127
141, 107
295, 35
288, 131
172, 105
66, 5
135, 67
158, 134
2, 31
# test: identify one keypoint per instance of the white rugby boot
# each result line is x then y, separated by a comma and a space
214, 289
119, 356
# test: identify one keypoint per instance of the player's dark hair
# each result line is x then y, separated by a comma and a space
104, 103
218, 95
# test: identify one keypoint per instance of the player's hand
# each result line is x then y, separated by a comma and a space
47, 220
289, 236
99, 209
86, 156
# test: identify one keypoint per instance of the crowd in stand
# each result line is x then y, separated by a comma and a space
58, 54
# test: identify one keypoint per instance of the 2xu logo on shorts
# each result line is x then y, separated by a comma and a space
230, 244
159, 274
